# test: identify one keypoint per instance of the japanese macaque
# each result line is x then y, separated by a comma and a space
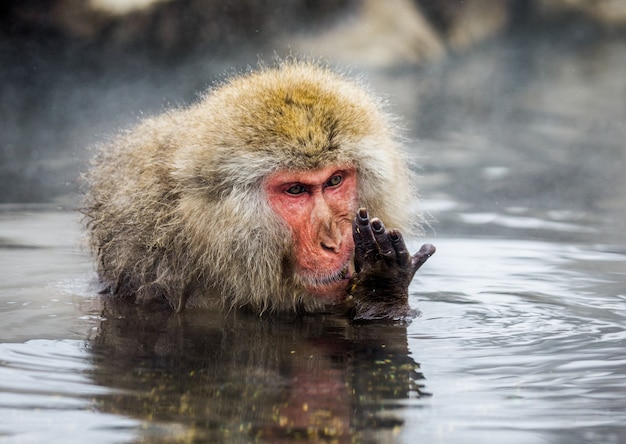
259, 195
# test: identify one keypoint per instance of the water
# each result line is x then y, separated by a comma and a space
522, 329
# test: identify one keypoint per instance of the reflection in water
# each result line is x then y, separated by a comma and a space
522, 342
240, 376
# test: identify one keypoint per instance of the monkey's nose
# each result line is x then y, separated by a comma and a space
330, 247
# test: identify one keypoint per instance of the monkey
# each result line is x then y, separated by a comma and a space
259, 196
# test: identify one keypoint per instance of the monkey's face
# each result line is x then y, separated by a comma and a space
318, 207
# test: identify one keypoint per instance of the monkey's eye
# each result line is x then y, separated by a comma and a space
334, 181
296, 189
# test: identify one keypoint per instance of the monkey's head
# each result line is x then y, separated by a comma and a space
263, 177
291, 152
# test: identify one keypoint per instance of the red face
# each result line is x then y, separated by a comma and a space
318, 206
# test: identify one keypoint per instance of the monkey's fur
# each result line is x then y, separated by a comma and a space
175, 207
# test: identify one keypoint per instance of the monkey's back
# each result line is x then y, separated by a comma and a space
128, 205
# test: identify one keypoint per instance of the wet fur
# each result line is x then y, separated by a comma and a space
175, 208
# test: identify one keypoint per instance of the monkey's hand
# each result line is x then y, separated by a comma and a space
379, 287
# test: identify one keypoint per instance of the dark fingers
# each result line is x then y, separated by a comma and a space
418, 259
384, 244
364, 244
402, 254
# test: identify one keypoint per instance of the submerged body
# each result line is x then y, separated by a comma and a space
248, 197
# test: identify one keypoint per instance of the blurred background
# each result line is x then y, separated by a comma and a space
74, 72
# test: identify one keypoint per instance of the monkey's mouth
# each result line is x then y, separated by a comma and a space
332, 285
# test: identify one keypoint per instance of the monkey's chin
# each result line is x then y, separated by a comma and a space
329, 288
